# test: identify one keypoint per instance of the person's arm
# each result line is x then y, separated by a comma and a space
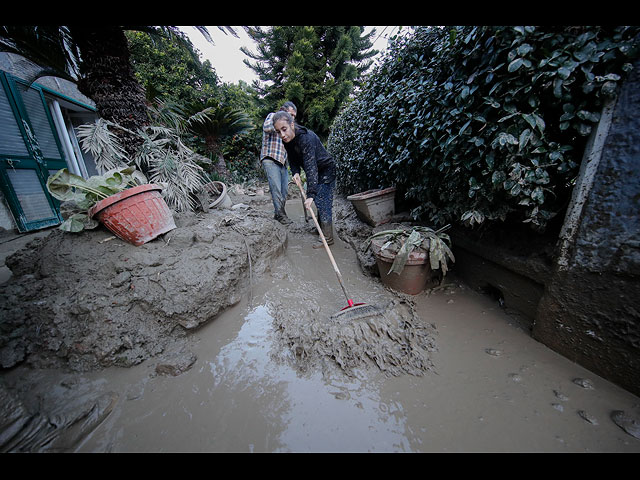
268, 124
310, 166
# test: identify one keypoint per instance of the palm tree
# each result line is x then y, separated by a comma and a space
213, 124
161, 148
96, 58
168, 160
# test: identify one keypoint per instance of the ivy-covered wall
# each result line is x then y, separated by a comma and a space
481, 124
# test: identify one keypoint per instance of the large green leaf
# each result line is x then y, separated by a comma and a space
412, 241
68, 187
62, 184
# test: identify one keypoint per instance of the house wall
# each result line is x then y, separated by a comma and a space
24, 69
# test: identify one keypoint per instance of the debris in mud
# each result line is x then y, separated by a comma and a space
584, 383
493, 352
561, 396
626, 423
42, 431
587, 417
396, 340
515, 377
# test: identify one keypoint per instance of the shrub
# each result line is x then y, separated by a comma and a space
242, 154
481, 123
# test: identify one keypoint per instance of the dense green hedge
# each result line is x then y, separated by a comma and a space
481, 123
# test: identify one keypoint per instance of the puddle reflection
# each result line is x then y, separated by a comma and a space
306, 413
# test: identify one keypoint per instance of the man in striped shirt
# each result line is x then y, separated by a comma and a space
273, 157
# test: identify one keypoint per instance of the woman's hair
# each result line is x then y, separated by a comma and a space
282, 115
287, 105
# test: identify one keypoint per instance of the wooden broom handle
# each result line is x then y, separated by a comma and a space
296, 179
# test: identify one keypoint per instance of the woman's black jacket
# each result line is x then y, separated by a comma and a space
307, 152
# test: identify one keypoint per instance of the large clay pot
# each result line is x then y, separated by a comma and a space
374, 206
136, 215
415, 276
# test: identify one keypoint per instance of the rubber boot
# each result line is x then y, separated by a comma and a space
327, 231
281, 216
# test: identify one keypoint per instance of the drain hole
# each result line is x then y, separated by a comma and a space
495, 293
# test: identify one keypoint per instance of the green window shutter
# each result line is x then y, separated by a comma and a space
28, 189
11, 141
28, 151
42, 126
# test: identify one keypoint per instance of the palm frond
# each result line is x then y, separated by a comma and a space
168, 160
168, 112
103, 144
172, 164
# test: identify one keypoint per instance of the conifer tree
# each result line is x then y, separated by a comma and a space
315, 67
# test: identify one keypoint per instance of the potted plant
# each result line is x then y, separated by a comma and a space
121, 199
409, 259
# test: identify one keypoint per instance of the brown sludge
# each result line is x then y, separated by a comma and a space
394, 340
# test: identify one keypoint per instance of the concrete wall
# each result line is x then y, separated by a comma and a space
590, 310
515, 280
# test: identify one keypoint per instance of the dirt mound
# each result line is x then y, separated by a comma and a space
89, 300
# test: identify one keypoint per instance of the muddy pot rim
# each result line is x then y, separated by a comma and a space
376, 192
116, 197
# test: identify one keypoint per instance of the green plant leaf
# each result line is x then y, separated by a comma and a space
538, 195
515, 65
78, 222
62, 184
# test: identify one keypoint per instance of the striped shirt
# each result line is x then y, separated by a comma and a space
272, 146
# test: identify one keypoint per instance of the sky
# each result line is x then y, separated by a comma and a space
227, 59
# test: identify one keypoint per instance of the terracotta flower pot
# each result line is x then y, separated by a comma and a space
374, 206
414, 277
136, 215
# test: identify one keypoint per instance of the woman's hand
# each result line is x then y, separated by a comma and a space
308, 202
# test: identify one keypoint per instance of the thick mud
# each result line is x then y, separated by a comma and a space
190, 365
390, 337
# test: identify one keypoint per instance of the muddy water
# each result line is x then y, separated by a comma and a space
490, 387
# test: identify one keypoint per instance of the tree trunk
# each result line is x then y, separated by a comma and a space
107, 77
219, 165
221, 168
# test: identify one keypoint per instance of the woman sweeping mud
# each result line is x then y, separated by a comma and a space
305, 151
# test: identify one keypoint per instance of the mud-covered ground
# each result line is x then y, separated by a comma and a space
90, 300
94, 329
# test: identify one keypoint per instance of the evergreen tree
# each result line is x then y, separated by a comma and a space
315, 67
171, 69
